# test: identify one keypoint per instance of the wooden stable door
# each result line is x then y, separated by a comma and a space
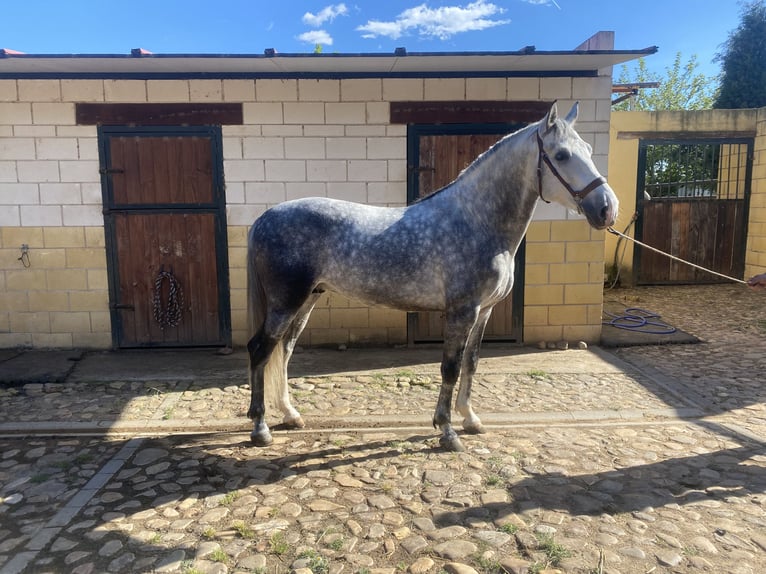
166, 240
440, 158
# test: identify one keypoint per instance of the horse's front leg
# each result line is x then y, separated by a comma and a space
471, 422
457, 329
259, 349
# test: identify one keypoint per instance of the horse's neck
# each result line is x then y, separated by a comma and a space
502, 191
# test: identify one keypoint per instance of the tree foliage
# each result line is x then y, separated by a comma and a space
743, 61
681, 88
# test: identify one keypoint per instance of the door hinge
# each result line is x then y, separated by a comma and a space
123, 306
110, 170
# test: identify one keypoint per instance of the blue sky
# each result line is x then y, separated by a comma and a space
249, 26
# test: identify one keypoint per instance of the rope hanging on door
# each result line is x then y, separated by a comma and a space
168, 315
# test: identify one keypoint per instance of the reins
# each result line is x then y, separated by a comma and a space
613, 231
543, 158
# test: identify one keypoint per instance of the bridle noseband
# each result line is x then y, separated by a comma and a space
578, 195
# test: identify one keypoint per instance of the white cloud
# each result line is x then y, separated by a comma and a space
328, 13
441, 23
316, 37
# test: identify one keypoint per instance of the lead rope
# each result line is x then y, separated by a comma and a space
637, 242
170, 315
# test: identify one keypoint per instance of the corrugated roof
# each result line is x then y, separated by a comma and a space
143, 64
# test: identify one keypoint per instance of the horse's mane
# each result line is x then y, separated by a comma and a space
478, 161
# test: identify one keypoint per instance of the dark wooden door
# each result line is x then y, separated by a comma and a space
165, 223
695, 208
440, 158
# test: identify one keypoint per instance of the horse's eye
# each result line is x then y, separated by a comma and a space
562, 155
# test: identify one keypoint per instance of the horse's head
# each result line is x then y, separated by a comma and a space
566, 173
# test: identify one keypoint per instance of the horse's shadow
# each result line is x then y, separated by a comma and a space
687, 480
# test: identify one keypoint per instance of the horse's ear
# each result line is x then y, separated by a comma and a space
550, 118
572, 115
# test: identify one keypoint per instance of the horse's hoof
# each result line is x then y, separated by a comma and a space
294, 422
474, 428
451, 444
261, 438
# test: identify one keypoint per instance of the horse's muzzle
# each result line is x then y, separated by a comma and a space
600, 207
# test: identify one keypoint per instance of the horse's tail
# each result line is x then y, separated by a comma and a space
274, 372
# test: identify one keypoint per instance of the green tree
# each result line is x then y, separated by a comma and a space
681, 88
743, 61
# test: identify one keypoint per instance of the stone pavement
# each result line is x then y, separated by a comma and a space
644, 459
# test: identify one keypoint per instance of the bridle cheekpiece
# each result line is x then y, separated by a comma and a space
579, 196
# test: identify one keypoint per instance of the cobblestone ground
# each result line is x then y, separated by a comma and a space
659, 467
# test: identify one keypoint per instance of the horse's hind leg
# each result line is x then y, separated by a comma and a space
292, 418
471, 422
457, 331
259, 349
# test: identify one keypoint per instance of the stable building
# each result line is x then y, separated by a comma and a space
128, 184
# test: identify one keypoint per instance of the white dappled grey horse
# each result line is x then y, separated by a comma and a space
452, 251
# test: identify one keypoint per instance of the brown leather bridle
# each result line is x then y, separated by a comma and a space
578, 195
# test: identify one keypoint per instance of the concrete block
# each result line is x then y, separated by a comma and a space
304, 112
82, 90
305, 148
323, 131
326, 170
70, 322
43, 215
444, 89
486, 88
276, 90
262, 113
125, 91
235, 192
387, 193
80, 171
8, 91
310, 90
38, 171
387, 148
53, 113
206, 90
345, 148
239, 90
556, 88
378, 113
263, 147
167, 90
403, 89
10, 216
285, 170
243, 170
56, 148
39, 90
264, 192
82, 215
53, 237
361, 89
367, 170
244, 215
19, 193
8, 172
17, 148
345, 113
15, 113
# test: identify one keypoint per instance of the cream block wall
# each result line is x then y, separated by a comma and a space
299, 138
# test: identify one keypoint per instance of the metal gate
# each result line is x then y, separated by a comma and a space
692, 202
